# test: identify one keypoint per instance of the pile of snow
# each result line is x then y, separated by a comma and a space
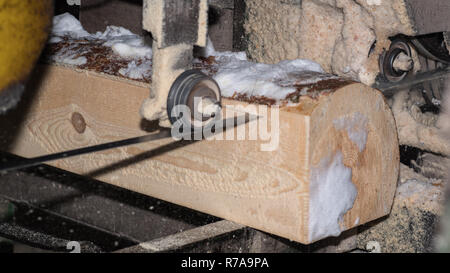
66, 25
237, 75
137, 71
255, 79
122, 41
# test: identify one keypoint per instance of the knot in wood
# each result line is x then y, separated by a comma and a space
78, 122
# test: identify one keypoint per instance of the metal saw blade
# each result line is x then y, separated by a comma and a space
389, 88
30, 162
163, 134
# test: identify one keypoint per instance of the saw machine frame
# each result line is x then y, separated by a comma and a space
177, 26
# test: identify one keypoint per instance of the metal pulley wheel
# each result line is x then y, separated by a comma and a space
194, 100
388, 59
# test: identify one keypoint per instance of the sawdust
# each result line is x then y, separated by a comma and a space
345, 36
413, 219
167, 62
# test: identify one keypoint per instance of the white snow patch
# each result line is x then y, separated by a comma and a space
356, 127
135, 71
256, 79
127, 51
67, 25
122, 41
69, 58
332, 195
54, 40
238, 75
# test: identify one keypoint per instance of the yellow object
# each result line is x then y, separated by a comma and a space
24, 28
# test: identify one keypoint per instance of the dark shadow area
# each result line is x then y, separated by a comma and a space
62, 7
95, 4
150, 125
365, 227
12, 121
81, 186
409, 154
72, 207
96, 15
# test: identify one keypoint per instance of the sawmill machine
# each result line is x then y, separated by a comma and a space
429, 49
176, 27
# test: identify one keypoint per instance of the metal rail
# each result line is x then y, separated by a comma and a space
30, 162
388, 87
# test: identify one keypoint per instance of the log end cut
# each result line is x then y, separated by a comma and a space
353, 160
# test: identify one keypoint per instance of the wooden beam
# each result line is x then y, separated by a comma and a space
275, 191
